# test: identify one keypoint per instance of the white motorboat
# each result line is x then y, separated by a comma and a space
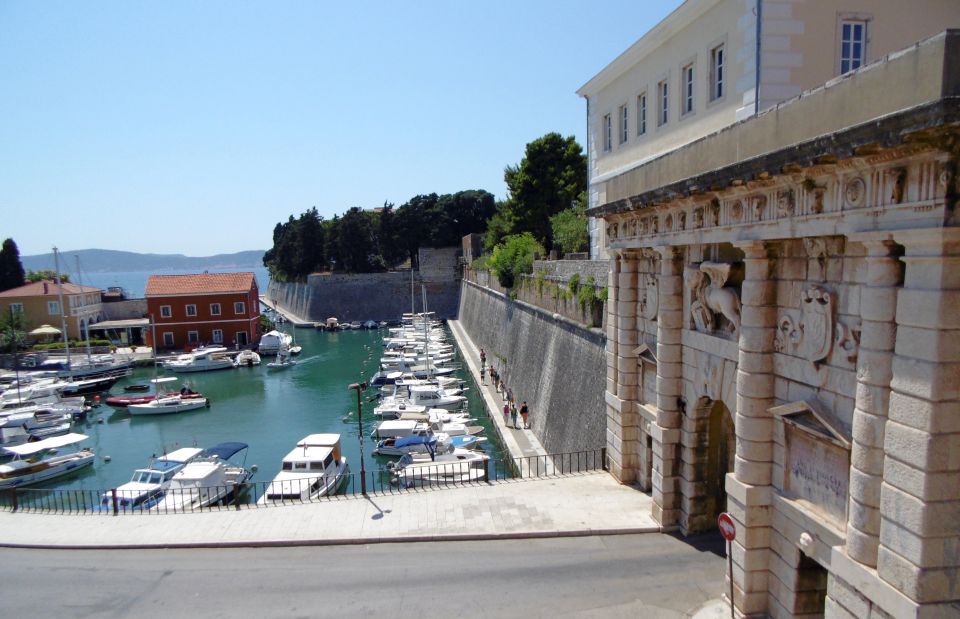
201, 360
246, 359
206, 480
273, 341
283, 360
460, 466
313, 469
147, 486
168, 405
436, 397
426, 445
25, 468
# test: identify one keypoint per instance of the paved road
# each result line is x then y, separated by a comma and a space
651, 575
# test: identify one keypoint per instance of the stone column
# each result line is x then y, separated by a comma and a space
622, 418
748, 489
919, 552
878, 306
666, 431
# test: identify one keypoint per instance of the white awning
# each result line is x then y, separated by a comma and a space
51, 443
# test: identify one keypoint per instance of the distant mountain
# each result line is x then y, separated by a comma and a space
110, 261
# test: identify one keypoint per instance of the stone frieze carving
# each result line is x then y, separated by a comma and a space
786, 205
848, 340
709, 378
711, 296
813, 337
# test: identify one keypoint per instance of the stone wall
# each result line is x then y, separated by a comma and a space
563, 269
554, 364
123, 310
374, 296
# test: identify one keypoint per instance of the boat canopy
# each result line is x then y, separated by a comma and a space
416, 440
51, 443
223, 451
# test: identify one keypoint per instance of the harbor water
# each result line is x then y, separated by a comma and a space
270, 410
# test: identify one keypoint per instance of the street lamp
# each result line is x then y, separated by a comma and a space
359, 387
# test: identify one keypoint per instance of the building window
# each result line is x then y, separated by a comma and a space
664, 103
853, 45
16, 308
607, 133
168, 339
53, 308
239, 307
687, 73
191, 310
214, 309
217, 336
624, 123
193, 337
716, 72
642, 114
166, 311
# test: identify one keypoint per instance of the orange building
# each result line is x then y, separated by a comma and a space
39, 302
206, 308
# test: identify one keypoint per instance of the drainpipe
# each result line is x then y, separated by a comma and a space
590, 252
756, 87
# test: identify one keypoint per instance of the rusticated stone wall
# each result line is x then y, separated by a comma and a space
555, 364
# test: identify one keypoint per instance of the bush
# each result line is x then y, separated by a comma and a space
539, 281
481, 264
574, 284
513, 257
73, 345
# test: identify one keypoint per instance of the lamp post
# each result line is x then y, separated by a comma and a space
359, 387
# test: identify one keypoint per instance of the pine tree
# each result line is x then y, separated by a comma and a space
11, 269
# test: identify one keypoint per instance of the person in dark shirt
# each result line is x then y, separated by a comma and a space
525, 413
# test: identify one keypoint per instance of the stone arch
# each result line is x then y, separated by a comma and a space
707, 464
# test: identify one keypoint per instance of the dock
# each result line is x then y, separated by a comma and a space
287, 315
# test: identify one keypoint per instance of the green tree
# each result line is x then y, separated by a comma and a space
569, 227
48, 274
13, 330
513, 257
11, 269
357, 243
547, 180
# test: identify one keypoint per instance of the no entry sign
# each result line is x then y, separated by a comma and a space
727, 529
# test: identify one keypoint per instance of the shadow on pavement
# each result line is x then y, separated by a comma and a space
710, 541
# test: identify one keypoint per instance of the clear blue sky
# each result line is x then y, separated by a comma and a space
194, 127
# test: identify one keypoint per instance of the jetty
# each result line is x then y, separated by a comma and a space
288, 316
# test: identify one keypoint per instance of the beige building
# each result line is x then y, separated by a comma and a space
782, 335
700, 70
40, 304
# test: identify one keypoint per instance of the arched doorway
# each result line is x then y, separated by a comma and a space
721, 449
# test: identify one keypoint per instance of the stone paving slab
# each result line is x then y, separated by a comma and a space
585, 504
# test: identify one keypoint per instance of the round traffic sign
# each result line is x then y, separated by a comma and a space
727, 529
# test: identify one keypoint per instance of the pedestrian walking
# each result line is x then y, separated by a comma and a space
525, 413
506, 414
483, 357
513, 415
510, 395
503, 390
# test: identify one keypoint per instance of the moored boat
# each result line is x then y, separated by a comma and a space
147, 486
460, 466
208, 479
168, 405
246, 358
201, 360
313, 469
29, 465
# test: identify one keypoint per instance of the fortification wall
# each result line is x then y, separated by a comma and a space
554, 364
374, 296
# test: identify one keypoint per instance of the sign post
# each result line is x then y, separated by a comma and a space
729, 532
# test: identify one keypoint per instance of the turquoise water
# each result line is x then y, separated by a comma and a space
268, 410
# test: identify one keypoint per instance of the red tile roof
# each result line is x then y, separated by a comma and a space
200, 283
46, 288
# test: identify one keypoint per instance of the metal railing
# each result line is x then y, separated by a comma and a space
257, 495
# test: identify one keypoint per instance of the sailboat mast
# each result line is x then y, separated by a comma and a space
63, 316
83, 296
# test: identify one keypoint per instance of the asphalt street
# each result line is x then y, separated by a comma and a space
650, 575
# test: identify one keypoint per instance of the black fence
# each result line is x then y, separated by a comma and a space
265, 494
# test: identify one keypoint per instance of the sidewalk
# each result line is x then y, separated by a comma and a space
586, 504
520, 443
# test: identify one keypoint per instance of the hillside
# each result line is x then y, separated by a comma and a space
110, 261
